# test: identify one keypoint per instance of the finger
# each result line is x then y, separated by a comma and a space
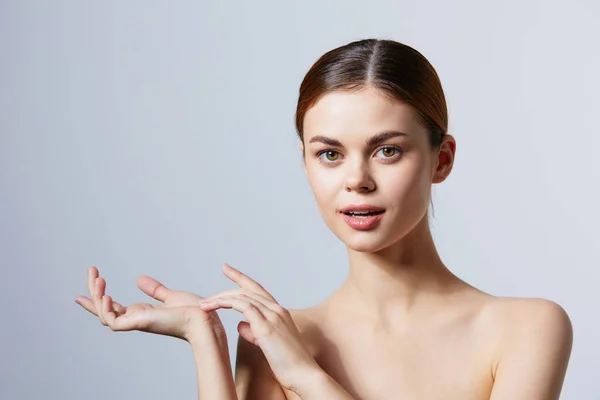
272, 305
88, 305
153, 288
245, 331
108, 313
263, 301
231, 292
92, 275
115, 321
118, 307
272, 311
244, 281
244, 304
98, 293
252, 313
223, 300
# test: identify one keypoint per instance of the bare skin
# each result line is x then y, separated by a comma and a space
450, 356
402, 326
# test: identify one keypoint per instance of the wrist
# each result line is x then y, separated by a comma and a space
211, 356
200, 333
320, 385
309, 381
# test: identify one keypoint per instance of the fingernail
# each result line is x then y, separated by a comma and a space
231, 268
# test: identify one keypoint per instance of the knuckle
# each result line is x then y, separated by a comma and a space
280, 310
267, 331
271, 316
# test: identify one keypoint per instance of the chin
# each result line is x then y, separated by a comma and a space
365, 241
374, 240
365, 247
369, 244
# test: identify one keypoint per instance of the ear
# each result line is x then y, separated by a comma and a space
444, 159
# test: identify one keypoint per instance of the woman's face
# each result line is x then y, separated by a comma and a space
394, 174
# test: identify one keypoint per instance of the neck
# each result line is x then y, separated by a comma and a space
396, 282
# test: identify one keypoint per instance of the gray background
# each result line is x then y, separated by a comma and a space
157, 138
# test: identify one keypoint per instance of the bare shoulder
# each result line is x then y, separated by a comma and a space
529, 316
535, 340
305, 317
310, 323
518, 320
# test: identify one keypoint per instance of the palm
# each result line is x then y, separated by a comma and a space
172, 317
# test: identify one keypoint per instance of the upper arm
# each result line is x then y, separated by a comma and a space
535, 354
254, 379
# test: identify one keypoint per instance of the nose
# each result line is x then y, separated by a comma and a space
359, 179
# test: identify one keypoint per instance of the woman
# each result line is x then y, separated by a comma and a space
372, 123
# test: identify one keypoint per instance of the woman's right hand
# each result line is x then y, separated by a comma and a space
179, 315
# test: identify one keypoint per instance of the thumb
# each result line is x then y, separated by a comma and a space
245, 331
153, 288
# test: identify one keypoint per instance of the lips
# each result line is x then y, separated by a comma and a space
362, 209
362, 217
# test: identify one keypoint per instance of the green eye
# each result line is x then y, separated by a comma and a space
330, 156
330, 153
333, 155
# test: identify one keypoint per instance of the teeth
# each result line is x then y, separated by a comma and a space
362, 213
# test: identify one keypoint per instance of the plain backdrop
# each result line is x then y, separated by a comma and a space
157, 138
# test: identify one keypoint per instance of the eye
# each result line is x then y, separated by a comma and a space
390, 151
330, 156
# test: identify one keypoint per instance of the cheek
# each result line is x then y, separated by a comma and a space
409, 189
323, 186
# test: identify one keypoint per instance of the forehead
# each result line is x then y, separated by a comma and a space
344, 114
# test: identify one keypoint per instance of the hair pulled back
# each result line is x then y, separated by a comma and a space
397, 70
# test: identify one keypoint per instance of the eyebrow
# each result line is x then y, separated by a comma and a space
375, 139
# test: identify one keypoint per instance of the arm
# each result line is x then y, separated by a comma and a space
254, 379
537, 350
211, 354
272, 361
178, 316
321, 386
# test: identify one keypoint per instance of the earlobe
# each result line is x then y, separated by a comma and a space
445, 159
439, 176
444, 167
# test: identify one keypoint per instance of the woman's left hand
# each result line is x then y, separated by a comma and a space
269, 326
